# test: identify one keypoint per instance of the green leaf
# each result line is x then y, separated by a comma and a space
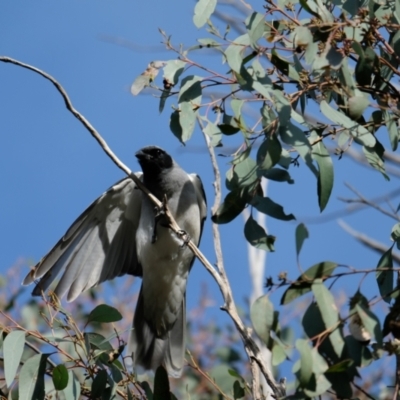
190, 90
262, 317
175, 125
97, 341
238, 391
222, 375
301, 236
305, 371
314, 326
234, 51
187, 120
357, 106
31, 378
358, 352
147, 390
391, 125
302, 285
295, 137
203, 11
173, 70
372, 154
330, 58
325, 173
244, 175
330, 315
276, 174
163, 98
255, 26
207, 42
360, 134
269, 207
261, 81
385, 278
370, 322
341, 366
365, 67
60, 377
395, 234
257, 237
302, 36
284, 66
103, 314
189, 100
161, 385
234, 203
227, 129
99, 384
73, 389
13, 348
278, 354
269, 153
214, 133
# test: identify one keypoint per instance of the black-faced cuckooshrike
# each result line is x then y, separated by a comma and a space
118, 234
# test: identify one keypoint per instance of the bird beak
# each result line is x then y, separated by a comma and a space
140, 155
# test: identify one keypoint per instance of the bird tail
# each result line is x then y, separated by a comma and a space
151, 351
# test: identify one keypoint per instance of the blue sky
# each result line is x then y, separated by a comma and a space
51, 168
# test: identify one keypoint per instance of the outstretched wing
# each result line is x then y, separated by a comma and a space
201, 198
99, 245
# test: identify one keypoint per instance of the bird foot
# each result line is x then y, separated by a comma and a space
160, 214
185, 237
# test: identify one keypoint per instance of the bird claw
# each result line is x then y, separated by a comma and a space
159, 214
185, 237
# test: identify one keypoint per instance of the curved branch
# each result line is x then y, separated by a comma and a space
253, 352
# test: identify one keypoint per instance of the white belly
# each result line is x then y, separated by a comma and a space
165, 264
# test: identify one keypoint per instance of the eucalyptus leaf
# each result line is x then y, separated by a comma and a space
305, 372
330, 315
13, 347
234, 52
385, 278
60, 377
262, 317
161, 385
31, 378
325, 173
173, 70
99, 384
256, 235
233, 204
360, 134
303, 283
203, 11
269, 153
301, 235
269, 207
370, 322
104, 313
255, 23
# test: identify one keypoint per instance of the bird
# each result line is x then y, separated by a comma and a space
122, 232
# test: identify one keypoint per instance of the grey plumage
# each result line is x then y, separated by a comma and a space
114, 236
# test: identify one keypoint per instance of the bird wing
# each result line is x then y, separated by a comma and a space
201, 198
99, 245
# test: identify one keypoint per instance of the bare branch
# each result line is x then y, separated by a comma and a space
367, 241
251, 348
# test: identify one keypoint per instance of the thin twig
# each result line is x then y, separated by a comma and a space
196, 367
251, 348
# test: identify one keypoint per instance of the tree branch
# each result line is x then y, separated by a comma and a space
251, 348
